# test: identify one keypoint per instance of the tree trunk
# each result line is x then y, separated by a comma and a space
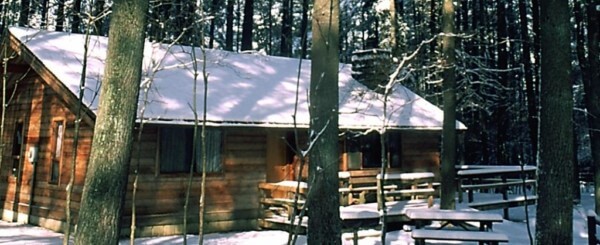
448, 186
501, 112
535, 19
99, 23
285, 48
106, 178
532, 112
24, 14
304, 29
214, 10
60, 15
229, 26
76, 20
555, 174
44, 16
394, 31
591, 76
324, 226
247, 25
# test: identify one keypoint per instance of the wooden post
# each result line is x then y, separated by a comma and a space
505, 196
591, 223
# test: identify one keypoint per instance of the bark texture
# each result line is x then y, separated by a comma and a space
324, 226
555, 204
448, 187
106, 178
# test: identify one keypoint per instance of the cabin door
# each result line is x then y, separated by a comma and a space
15, 183
277, 168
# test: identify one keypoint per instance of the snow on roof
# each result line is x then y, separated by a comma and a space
249, 89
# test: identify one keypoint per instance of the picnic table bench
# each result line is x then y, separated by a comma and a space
497, 178
483, 234
359, 187
413, 185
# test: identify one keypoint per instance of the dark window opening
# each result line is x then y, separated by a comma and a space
58, 129
176, 149
17, 147
364, 150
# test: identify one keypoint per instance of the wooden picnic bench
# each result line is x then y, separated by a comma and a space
484, 233
412, 185
496, 178
278, 198
359, 187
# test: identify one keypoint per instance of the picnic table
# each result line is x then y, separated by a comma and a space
354, 218
413, 185
484, 234
500, 177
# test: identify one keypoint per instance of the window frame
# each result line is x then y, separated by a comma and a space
57, 131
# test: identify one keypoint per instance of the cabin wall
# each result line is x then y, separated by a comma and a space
421, 151
232, 197
28, 195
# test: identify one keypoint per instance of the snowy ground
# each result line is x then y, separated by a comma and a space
515, 228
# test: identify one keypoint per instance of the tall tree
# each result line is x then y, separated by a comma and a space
214, 10
304, 29
24, 14
591, 75
448, 187
229, 25
247, 26
324, 226
76, 19
99, 10
532, 117
60, 15
286, 29
501, 111
555, 175
107, 172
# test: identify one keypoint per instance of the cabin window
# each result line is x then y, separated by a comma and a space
58, 129
364, 150
17, 147
176, 145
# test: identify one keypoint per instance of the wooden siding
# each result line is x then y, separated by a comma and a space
29, 192
232, 196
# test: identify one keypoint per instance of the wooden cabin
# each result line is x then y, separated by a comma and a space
251, 100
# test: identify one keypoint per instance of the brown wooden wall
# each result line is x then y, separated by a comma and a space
29, 190
231, 200
421, 151
231, 196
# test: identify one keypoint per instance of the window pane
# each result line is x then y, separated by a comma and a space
58, 139
213, 151
371, 149
175, 149
55, 170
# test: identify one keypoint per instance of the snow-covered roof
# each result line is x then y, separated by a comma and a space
248, 89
